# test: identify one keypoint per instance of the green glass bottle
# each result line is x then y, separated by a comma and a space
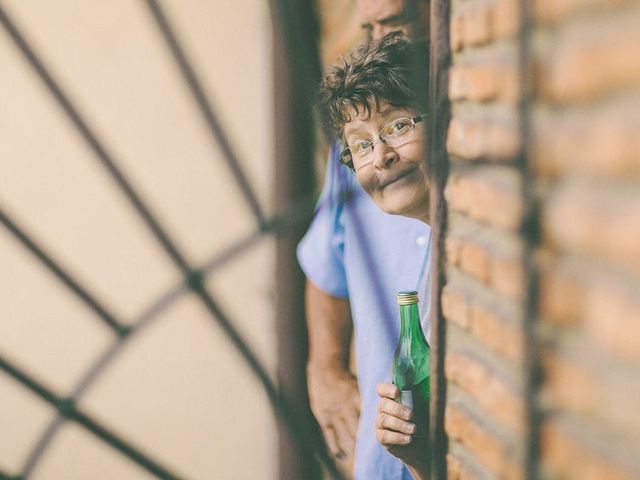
412, 362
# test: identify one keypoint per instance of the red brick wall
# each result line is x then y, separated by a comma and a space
586, 157
483, 298
565, 294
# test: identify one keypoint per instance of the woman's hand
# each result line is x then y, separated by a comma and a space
397, 432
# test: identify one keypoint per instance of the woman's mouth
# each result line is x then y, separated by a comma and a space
396, 177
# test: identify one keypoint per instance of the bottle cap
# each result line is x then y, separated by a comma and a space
407, 297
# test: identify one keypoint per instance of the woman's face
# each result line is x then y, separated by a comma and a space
393, 173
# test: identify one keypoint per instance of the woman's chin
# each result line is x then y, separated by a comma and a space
414, 205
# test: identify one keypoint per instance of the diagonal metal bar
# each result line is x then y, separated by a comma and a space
148, 316
280, 404
92, 374
87, 298
88, 135
4, 475
194, 278
204, 105
71, 412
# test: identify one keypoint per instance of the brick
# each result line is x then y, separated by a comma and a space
562, 296
480, 22
454, 468
586, 218
466, 139
340, 30
589, 389
506, 18
498, 333
498, 268
458, 82
492, 394
454, 306
612, 317
490, 196
551, 11
601, 141
452, 247
484, 81
456, 32
507, 274
503, 140
475, 259
491, 450
569, 386
569, 74
564, 455
477, 23
483, 138
458, 469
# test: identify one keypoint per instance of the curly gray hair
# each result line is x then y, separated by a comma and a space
392, 69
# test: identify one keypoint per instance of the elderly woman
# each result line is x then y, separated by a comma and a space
375, 102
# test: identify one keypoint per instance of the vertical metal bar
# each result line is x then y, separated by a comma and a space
438, 162
296, 72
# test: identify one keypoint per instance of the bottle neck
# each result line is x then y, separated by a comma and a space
409, 320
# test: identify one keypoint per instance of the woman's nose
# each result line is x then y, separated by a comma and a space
384, 156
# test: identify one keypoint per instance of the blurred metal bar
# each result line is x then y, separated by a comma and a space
530, 235
89, 136
46, 259
194, 278
148, 316
5, 476
70, 411
438, 164
204, 105
95, 370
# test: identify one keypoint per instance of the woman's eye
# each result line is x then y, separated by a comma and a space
400, 125
361, 146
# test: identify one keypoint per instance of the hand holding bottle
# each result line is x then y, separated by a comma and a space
402, 421
397, 432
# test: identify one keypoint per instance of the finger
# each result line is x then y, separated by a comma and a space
344, 438
352, 423
357, 404
395, 409
388, 390
389, 438
330, 438
388, 422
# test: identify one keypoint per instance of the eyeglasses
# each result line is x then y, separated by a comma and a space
356, 155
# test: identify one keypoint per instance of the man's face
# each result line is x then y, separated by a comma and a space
380, 17
394, 177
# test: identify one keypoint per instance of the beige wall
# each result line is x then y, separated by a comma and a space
178, 391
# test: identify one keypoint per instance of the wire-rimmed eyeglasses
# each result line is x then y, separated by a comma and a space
355, 155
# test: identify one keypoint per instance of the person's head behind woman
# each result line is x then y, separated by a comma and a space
376, 103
